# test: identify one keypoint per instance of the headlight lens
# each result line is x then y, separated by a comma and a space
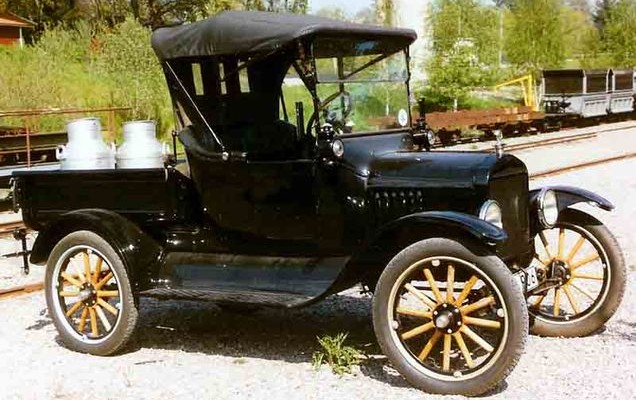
491, 212
548, 208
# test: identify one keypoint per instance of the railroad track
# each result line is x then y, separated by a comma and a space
9, 227
586, 164
21, 290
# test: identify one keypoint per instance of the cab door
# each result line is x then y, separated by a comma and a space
285, 201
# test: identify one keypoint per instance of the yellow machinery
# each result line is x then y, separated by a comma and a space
527, 87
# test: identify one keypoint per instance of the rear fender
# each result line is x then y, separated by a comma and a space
136, 248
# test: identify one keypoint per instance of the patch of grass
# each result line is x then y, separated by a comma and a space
336, 354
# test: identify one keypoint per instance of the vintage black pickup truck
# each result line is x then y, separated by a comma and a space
462, 258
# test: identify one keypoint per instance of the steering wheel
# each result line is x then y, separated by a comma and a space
331, 116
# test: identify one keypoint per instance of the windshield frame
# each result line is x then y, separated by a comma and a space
320, 104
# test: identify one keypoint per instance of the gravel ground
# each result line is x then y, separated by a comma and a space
200, 351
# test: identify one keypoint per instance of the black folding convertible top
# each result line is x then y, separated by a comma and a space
248, 32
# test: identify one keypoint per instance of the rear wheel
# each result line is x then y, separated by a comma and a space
88, 294
451, 321
586, 277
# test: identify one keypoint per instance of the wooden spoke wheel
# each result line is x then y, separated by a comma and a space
450, 323
584, 277
88, 294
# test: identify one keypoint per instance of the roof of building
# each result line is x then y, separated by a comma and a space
9, 19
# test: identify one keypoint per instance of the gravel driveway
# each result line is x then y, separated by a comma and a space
196, 350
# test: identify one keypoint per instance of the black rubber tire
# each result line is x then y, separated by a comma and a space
494, 269
127, 321
616, 290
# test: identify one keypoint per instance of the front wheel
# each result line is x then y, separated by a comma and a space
88, 294
449, 317
584, 274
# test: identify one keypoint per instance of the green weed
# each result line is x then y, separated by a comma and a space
336, 354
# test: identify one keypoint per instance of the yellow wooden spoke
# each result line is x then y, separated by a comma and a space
414, 313
94, 328
466, 291
429, 345
420, 295
484, 323
556, 308
538, 301
102, 317
434, 288
107, 306
418, 330
546, 245
577, 275
571, 299
78, 271
586, 260
74, 308
107, 293
575, 249
462, 346
585, 292
104, 280
82, 321
87, 264
469, 308
69, 294
446, 353
561, 243
450, 282
98, 269
71, 280
476, 338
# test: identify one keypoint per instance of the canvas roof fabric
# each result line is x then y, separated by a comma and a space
250, 32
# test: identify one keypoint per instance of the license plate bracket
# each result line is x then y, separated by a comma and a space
527, 278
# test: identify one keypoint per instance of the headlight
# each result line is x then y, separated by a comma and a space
490, 212
547, 208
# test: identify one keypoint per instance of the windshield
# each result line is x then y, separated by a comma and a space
363, 93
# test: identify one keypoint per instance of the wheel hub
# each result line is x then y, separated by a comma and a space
88, 294
560, 271
447, 318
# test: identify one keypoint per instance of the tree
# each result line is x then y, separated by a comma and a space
464, 48
601, 13
535, 34
385, 12
619, 36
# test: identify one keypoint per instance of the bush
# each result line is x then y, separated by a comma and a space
82, 67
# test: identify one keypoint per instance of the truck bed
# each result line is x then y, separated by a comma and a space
140, 194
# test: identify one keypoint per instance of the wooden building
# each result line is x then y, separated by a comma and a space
11, 28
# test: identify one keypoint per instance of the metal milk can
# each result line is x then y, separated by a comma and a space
141, 149
85, 149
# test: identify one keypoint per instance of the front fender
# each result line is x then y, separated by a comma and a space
456, 221
136, 248
570, 195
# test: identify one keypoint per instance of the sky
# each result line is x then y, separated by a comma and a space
350, 6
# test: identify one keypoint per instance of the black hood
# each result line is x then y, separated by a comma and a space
389, 161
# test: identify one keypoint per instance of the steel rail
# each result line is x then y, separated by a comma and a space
586, 164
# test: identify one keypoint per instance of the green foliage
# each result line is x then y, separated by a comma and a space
535, 34
619, 36
336, 354
83, 68
464, 37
